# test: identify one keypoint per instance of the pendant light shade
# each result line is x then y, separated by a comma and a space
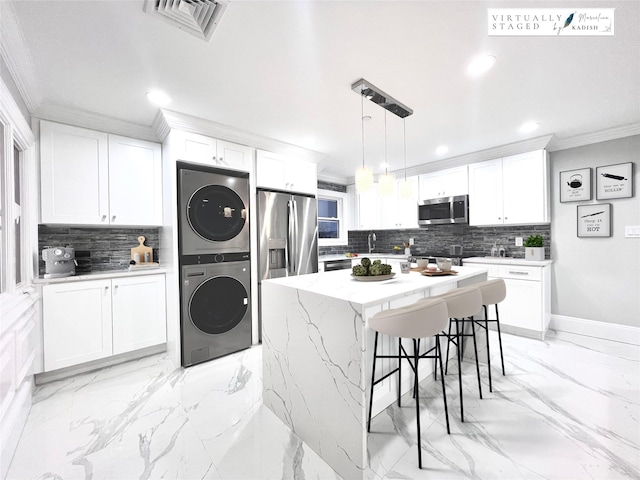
364, 179
387, 183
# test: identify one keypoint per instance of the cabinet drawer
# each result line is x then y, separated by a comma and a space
520, 272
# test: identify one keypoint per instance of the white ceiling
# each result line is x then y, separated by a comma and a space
284, 69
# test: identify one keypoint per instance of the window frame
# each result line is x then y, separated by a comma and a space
342, 207
17, 135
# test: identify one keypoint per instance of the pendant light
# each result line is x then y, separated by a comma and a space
387, 180
406, 187
364, 175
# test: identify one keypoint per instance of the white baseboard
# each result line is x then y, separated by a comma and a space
592, 328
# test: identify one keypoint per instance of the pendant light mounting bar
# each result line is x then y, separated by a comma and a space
377, 96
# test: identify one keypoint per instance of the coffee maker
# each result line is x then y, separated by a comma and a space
59, 262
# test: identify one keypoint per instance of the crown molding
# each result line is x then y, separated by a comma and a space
327, 177
94, 121
188, 123
18, 59
594, 137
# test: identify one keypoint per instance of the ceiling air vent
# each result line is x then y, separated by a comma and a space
198, 17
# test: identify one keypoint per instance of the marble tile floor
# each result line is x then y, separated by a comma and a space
569, 408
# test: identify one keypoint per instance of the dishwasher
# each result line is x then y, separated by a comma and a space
331, 265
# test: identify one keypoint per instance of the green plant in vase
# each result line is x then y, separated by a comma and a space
534, 248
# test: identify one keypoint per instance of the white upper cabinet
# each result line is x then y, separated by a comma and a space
92, 178
74, 175
135, 182
280, 173
396, 211
510, 190
196, 148
444, 183
368, 205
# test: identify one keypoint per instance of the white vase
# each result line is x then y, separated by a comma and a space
534, 253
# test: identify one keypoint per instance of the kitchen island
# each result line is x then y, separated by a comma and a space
317, 354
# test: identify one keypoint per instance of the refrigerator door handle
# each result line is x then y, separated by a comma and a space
290, 239
296, 235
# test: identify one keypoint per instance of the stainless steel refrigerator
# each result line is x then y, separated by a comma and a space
287, 237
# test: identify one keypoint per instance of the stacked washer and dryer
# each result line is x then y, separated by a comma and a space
215, 278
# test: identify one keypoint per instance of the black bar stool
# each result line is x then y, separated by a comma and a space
462, 305
493, 292
424, 319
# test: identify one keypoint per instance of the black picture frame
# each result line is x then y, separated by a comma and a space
594, 220
575, 185
614, 181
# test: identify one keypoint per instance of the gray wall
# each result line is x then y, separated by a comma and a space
596, 278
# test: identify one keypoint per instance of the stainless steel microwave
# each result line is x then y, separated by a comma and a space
443, 210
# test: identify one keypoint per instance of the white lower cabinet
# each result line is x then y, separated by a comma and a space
526, 309
94, 319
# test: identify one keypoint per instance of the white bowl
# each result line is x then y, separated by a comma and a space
444, 264
422, 262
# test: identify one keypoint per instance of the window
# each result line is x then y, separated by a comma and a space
16, 161
331, 218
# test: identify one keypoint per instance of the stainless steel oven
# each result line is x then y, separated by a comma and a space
443, 210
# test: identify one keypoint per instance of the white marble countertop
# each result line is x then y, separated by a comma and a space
99, 275
340, 285
340, 256
507, 261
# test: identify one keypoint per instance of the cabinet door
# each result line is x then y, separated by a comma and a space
408, 207
193, 147
485, 193
369, 209
139, 313
522, 306
269, 170
301, 176
74, 175
525, 192
455, 181
135, 182
77, 323
231, 155
431, 186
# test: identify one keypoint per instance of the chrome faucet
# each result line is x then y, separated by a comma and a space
371, 241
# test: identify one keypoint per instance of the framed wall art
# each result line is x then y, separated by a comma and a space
594, 220
575, 185
614, 181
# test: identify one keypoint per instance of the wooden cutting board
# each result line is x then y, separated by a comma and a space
142, 249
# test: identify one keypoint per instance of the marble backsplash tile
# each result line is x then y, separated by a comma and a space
97, 249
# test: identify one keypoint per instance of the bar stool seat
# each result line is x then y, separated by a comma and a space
462, 304
421, 320
493, 292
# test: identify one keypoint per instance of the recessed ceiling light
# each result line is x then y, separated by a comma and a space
158, 97
384, 165
529, 127
442, 149
366, 118
480, 65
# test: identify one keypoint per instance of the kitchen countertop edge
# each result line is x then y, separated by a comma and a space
40, 280
508, 261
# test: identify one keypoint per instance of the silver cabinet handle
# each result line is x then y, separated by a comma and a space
513, 272
104, 217
113, 218
106, 288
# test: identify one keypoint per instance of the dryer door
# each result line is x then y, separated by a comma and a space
218, 305
216, 213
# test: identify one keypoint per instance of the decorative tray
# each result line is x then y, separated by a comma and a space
374, 278
438, 273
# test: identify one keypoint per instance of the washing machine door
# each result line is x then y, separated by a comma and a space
216, 213
218, 305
